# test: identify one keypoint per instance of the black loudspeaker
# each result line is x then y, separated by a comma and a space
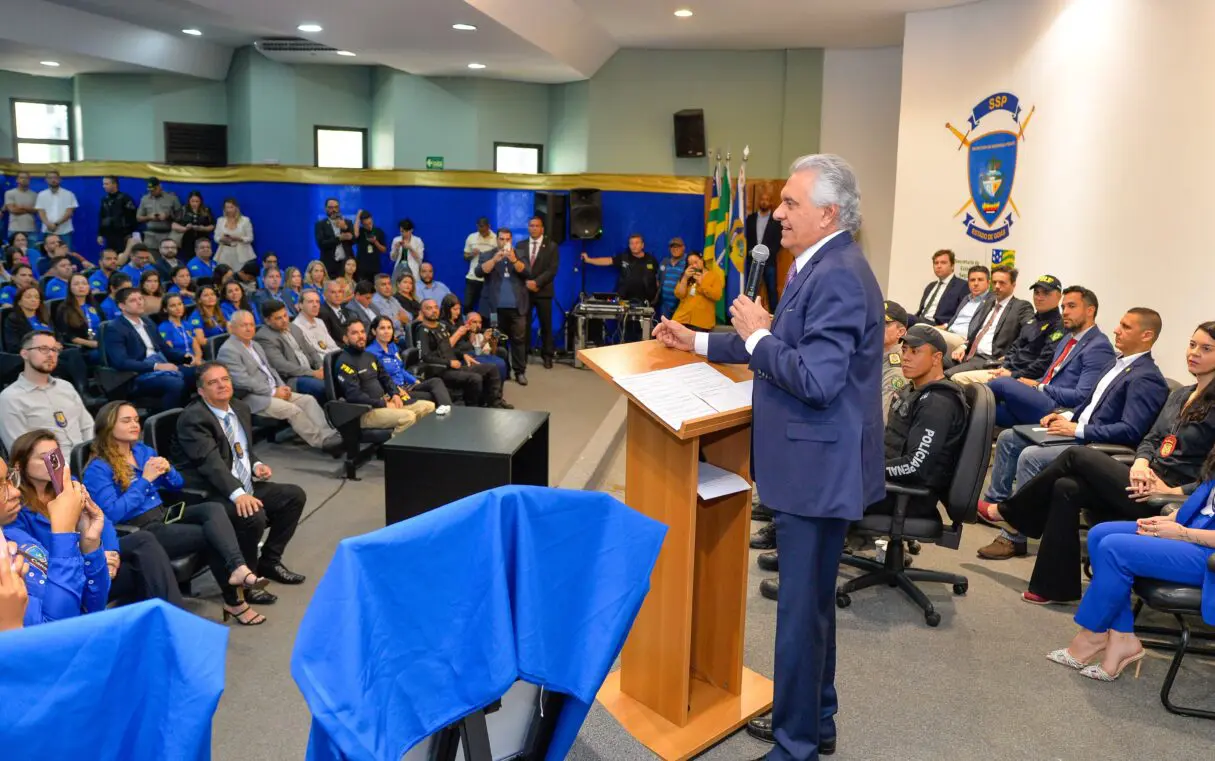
690, 133
586, 214
551, 208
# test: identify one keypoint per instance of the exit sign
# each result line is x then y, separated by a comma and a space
434, 162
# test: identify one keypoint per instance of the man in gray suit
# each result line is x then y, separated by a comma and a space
264, 390
289, 352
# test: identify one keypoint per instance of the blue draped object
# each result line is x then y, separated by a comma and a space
419, 624
135, 682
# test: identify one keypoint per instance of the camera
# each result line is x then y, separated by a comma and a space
496, 335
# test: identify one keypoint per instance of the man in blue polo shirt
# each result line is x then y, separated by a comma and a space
141, 262
99, 279
61, 272
669, 272
109, 307
201, 265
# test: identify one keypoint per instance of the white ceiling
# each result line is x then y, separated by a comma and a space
529, 40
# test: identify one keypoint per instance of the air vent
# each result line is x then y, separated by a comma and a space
291, 45
196, 144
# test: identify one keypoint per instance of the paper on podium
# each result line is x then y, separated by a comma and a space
732, 397
713, 482
677, 393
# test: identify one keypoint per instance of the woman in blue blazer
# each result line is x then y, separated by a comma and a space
1167, 547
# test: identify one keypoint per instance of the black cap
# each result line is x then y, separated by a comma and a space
153, 182
896, 313
918, 335
1047, 283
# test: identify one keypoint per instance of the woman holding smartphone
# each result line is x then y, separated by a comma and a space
126, 477
139, 568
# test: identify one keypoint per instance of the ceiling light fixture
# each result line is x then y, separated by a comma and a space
52, 64
464, 27
192, 32
346, 53
476, 66
683, 13
309, 27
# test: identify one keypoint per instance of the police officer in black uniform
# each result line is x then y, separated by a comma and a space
1030, 354
638, 281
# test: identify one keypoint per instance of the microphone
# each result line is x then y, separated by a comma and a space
759, 260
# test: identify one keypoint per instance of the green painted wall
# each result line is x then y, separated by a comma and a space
569, 127
14, 85
122, 116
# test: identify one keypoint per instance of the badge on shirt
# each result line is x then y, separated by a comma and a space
1056, 335
1044, 326
898, 383
35, 555
321, 344
895, 358
240, 451
61, 420
345, 367
1168, 446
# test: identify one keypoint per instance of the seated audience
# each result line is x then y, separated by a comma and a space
957, 329
1172, 548
698, 291
109, 306
268, 261
194, 221
944, 294
18, 249
132, 344
249, 276
485, 345
1029, 355
893, 380
236, 300
107, 265
69, 575
452, 316
139, 568
28, 313
22, 277
61, 272
153, 294
407, 252
1127, 398
480, 384
313, 328
385, 349
407, 297
264, 390
36, 400
296, 361
315, 277
176, 330
293, 286
78, 322
167, 260
1085, 481
995, 325
141, 262
183, 285
361, 379
215, 438
208, 316
331, 313
1075, 367
126, 478
359, 308
386, 306
273, 290
428, 287
234, 236
202, 266
350, 271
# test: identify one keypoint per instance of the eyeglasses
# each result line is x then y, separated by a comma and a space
12, 481
46, 349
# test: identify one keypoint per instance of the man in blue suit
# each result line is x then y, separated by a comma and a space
1078, 363
1122, 407
133, 344
944, 295
817, 427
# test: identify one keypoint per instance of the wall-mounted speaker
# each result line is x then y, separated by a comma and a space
586, 214
690, 133
551, 208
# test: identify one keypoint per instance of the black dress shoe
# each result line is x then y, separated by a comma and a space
761, 512
278, 572
768, 561
521, 379
765, 538
761, 729
260, 597
769, 588
548, 363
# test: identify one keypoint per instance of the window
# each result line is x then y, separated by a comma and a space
518, 158
42, 131
341, 147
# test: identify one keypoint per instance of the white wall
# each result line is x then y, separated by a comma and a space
1113, 176
861, 123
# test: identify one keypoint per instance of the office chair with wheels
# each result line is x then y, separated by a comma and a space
346, 418
960, 504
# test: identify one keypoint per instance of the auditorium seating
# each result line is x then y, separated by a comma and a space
359, 445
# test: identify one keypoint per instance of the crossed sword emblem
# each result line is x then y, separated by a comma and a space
964, 142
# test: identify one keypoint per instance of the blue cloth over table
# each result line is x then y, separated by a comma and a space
419, 624
140, 681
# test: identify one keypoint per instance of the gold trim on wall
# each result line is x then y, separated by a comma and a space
641, 183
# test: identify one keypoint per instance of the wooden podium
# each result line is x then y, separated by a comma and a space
681, 686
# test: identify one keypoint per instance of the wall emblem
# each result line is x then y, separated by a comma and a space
991, 166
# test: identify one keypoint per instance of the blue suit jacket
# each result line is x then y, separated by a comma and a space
1190, 515
816, 440
1076, 378
125, 350
1129, 405
955, 294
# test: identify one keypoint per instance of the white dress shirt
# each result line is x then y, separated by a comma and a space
271, 378
55, 204
142, 330
409, 257
1120, 365
987, 344
702, 339
476, 245
244, 448
934, 298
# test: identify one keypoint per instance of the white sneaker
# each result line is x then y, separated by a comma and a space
443, 409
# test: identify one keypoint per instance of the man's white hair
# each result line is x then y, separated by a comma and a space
834, 185
239, 314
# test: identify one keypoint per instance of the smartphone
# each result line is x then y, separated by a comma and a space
54, 466
174, 513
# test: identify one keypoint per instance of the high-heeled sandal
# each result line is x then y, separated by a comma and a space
1100, 674
259, 582
257, 620
1064, 657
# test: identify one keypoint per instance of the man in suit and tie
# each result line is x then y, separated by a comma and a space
1121, 408
994, 327
759, 227
335, 238
332, 313
265, 391
816, 400
133, 344
542, 259
214, 452
942, 297
289, 352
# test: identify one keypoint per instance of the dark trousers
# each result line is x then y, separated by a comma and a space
306, 384
1018, 404
514, 325
282, 505
1050, 505
431, 389
479, 384
543, 307
472, 297
805, 703
169, 389
145, 572
204, 528
117, 242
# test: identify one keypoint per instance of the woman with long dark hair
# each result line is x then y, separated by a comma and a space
153, 293
22, 277
194, 221
77, 321
176, 331
236, 299
407, 296
380, 344
209, 316
28, 313
1082, 480
182, 284
451, 312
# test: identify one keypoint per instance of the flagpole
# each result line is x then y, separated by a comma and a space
742, 217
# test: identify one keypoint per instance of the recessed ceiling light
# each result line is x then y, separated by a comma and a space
345, 53
476, 66
192, 32
309, 27
52, 64
683, 13
464, 27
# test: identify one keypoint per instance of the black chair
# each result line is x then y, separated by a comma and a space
5, 310
212, 344
42, 281
359, 445
11, 366
960, 504
115, 384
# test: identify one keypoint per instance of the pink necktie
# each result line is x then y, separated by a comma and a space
791, 274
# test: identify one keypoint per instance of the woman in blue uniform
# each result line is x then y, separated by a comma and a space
385, 350
22, 277
77, 321
208, 317
236, 299
176, 331
182, 283
28, 313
